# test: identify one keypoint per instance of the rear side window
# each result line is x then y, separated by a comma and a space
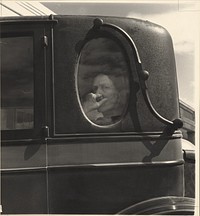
17, 89
103, 81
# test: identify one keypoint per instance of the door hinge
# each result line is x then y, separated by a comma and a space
45, 41
45, 132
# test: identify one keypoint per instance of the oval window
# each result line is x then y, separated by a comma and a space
103, 81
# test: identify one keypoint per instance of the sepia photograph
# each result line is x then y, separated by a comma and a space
99, 107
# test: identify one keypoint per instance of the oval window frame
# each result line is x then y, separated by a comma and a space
127, 51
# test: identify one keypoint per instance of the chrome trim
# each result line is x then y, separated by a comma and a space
4, 21
176, 134
90, 137
23, 169
112, 137
126, 164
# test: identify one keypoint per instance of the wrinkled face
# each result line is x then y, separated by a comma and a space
104, 86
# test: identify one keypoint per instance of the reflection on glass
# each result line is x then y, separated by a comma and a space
16, 83
103, 81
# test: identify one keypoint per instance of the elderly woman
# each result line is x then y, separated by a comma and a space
105, 105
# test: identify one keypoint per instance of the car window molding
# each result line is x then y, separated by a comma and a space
143, 75
126, 74
36, 32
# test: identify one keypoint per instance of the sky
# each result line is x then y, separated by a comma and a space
180, 18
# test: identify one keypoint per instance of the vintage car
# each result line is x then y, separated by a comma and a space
90, 118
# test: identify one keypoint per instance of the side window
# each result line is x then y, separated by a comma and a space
103, 81
17, 89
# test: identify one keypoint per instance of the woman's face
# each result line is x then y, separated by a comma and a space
104, 86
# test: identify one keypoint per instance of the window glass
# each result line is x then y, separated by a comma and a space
17, 83
103, 83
